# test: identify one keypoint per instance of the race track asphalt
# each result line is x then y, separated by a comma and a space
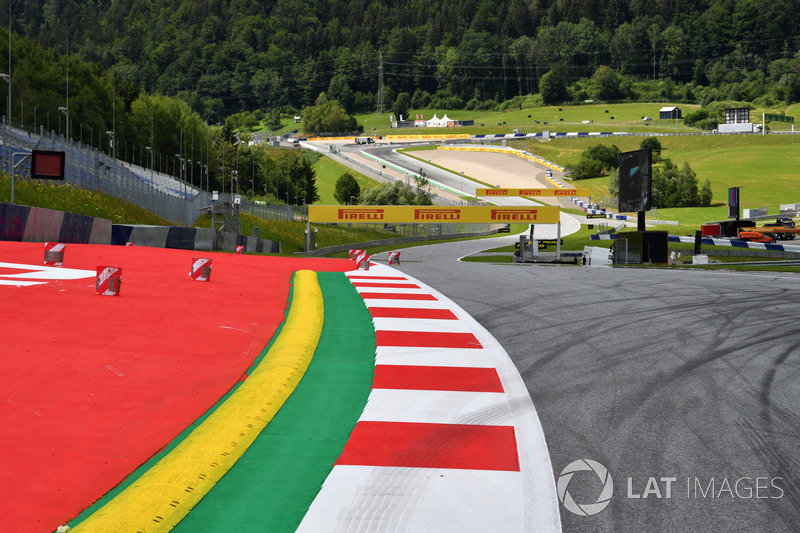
683, 384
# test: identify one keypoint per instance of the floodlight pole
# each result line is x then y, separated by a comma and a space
65, 110
23, 155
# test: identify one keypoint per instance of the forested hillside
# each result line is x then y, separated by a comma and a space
227, 56
160, 76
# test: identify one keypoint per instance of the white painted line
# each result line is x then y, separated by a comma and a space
416, 500
420, 324
438, 407
406, 304
21, 283
387, 281
404, 355
390, 290
46, 272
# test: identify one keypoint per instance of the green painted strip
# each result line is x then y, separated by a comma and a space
271, 487
165, 494
136, 474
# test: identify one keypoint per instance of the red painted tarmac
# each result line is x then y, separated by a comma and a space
93, 386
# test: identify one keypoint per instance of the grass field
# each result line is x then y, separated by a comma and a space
764, 167
627, 117
328, 172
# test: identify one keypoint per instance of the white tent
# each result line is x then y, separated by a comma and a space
437, 122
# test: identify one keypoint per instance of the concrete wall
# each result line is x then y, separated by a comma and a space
189, 239
37, 224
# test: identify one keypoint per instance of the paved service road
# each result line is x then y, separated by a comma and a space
685, 385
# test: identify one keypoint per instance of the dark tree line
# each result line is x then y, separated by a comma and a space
224, 57
159, 74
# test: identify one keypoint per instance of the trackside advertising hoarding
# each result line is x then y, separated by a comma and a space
533, 192
409, 214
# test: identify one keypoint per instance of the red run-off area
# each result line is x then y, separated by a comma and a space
92, 386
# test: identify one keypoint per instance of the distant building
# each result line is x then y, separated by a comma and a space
671, 112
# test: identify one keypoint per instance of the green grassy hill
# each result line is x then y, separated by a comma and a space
765, 167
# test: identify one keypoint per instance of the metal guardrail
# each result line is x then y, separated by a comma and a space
88, 168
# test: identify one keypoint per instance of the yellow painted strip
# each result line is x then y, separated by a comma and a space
166, 493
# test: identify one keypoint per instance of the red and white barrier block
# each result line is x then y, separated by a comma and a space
239, 249
362, 261
355, 253
394, 258
54, 253
201, 269
109, 280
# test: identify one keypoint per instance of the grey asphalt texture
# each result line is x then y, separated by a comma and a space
656, 374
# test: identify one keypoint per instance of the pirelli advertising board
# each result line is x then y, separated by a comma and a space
410, 214
550, 193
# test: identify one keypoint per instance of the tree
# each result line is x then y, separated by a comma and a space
395, 193
553, 85
608, 155
677, 188
347, 189
325, 116
653, 144
613, 183
273, 120
401, 106
587, 168
705, 193
596, 161
340, 91
688, 195
297, 180
421, 99
605, 84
